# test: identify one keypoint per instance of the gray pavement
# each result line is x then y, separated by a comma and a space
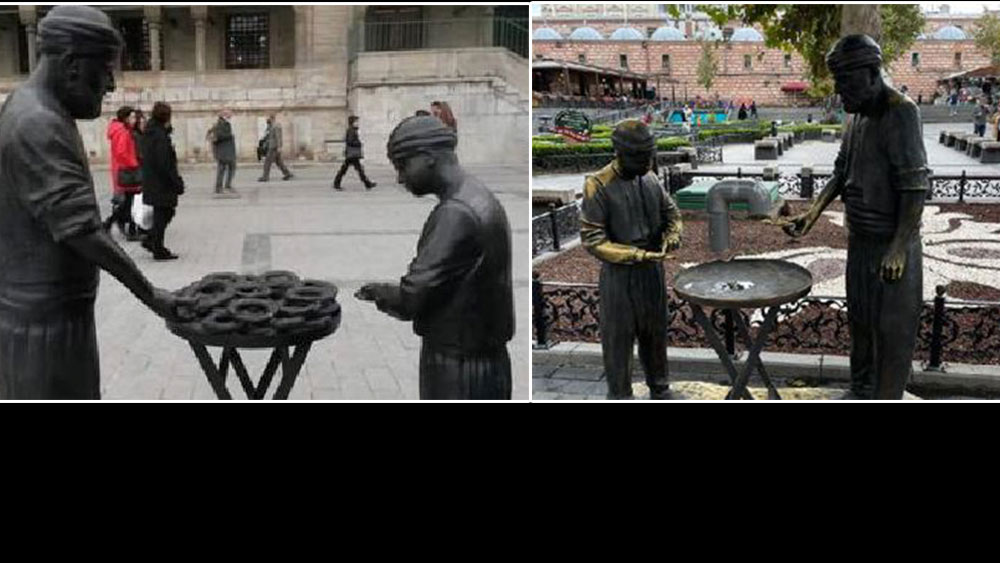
349, 238
580, 383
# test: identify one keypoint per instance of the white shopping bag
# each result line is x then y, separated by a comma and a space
142, 214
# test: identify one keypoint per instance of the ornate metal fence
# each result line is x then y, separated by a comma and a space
550, 230
964, 186
965, 332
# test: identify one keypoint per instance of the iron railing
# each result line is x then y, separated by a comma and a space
508, 33
950, 331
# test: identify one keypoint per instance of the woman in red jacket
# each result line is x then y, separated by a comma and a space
125, 172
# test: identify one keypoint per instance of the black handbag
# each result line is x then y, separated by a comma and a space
130, 177
353, 153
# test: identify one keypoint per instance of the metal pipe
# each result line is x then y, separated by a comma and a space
749, 191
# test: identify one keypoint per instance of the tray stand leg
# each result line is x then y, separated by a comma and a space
240, 368
772, 391
290, 367
272, 366
719, 347
216, 375
753, 358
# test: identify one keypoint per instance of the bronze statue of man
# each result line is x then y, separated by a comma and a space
51, 241
458, 290
630, 223
881, 175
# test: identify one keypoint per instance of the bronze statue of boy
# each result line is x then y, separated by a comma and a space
630, 223
458, 289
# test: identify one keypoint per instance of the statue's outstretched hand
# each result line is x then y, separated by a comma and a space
164, 304
796, 226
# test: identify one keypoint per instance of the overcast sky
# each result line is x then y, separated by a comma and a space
956, 7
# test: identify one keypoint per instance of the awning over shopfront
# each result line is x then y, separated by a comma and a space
580, 80
981, 72
795, 86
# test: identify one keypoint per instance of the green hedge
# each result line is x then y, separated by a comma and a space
763, 130
758, 132
546, 147
803, 127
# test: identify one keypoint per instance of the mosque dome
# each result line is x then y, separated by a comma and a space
950, 33
585, 34
627, 34
667, 33
546, 34
747, 34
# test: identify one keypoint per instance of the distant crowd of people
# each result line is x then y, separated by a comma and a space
143, 161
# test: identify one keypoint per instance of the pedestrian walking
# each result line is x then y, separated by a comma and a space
224, 150
353, 153
273, 144
162, 183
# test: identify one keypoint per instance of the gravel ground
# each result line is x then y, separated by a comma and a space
752, 238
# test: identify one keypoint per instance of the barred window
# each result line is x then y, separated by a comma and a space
394, 28
623, 61
135, 52
915, 59
582, 58
665, 63
248, 41
748, 62
958, 60
788, 60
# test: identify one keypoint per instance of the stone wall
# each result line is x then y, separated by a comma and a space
486, 89
762, 82
768, 72
937, 60
309, 85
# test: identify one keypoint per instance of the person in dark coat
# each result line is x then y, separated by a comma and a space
353, 153
52, 246
161, 181
458, 289
743, 112
224, 150
629, 222
753, 109
273, 143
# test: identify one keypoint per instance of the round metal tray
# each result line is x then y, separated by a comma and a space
743, 284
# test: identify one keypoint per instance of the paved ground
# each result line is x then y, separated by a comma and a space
551, 383
349, 238
942, 160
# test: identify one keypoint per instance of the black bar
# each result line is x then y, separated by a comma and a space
806, 186
936, 330
730, 333
538, 307
555, 227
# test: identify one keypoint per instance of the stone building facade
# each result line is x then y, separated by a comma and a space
312, 66
747, 68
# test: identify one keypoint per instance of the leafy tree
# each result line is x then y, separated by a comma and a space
708, 66
987, 36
